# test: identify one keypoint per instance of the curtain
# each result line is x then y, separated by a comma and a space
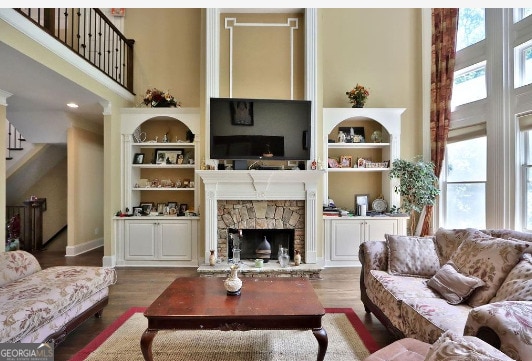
444, 29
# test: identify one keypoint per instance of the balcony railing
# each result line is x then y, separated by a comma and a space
91, 35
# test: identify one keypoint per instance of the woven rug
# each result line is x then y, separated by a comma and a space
348, 340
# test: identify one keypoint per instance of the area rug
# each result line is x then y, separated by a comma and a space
349, 340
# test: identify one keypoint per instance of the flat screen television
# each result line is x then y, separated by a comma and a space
274, 129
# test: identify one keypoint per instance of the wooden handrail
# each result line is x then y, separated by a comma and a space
91, 35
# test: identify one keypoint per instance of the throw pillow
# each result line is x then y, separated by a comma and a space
412, 256
490, 260
448, 240
452, 285
453, 347
518, 285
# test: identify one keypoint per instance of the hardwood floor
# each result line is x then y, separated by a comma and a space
138, 287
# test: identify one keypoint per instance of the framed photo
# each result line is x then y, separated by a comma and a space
353, 134
361, 199
137, 211
160, 208
146, 207
168, 156
183, 207
333, 163
138, 158
361, 163
346, 161
172, 205
241, 112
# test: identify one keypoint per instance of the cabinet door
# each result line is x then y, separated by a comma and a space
345, 240
175, 240
377, 228
140, 239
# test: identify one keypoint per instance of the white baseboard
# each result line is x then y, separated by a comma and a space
84, 247
109, 261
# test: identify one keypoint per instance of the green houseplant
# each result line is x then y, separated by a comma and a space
418, 186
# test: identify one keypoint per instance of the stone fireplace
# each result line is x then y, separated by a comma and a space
261, 199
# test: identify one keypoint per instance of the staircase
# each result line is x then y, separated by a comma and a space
14, 140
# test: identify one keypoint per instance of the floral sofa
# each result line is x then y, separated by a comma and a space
469, 281
44, 305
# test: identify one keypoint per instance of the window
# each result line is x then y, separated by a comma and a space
523, 64
471, 27
521, 13
464, 185
527, 182
469, 84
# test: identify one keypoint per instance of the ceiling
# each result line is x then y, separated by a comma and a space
38, 104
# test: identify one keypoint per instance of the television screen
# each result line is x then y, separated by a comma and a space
260, 128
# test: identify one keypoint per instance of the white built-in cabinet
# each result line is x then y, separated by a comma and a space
164, 239
343, 235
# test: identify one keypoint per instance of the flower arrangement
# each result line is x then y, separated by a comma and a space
358, 96
156, 98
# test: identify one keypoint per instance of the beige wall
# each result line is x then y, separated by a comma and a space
3, 136
166, 51
85, 186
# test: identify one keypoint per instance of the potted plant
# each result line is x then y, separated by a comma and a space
418, 186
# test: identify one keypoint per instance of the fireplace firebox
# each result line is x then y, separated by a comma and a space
252, 238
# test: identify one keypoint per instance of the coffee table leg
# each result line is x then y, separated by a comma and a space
323, 341
145, 344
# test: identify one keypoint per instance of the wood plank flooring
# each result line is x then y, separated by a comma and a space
138, 287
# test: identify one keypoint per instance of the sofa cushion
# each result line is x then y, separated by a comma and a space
453, 347
448, 240
452, 285
490, 260
412, 256
28, 303
386, 291
15, 265
427, 318
518, 285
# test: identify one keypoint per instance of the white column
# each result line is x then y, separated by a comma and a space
3, 115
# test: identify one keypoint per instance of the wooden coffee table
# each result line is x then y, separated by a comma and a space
201, 303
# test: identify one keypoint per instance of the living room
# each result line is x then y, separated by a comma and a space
343, 59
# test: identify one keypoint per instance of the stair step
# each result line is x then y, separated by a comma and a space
15, 148
22, 139
9, 158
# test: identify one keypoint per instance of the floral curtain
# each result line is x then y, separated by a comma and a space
444, 29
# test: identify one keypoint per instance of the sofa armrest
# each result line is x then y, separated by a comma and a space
373, 255
15, 265
506, 324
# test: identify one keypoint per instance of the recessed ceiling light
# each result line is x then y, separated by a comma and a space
72, 105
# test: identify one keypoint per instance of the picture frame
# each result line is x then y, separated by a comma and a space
361, 199
183, 207
332, 162
346, 161
138, 158
168, 156
160, 208
137, 211
241, 112
147, 207
358, 136
361, 163
172, 205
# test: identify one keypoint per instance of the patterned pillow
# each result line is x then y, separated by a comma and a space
448, 240
518, 285
412, 256
452, 285
453, 347
490, 260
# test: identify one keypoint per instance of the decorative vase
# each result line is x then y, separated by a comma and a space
297, 258
212, 258
233, 284
358, 105
264, 250
284, 258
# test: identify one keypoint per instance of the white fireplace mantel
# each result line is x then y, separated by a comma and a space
261, 185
